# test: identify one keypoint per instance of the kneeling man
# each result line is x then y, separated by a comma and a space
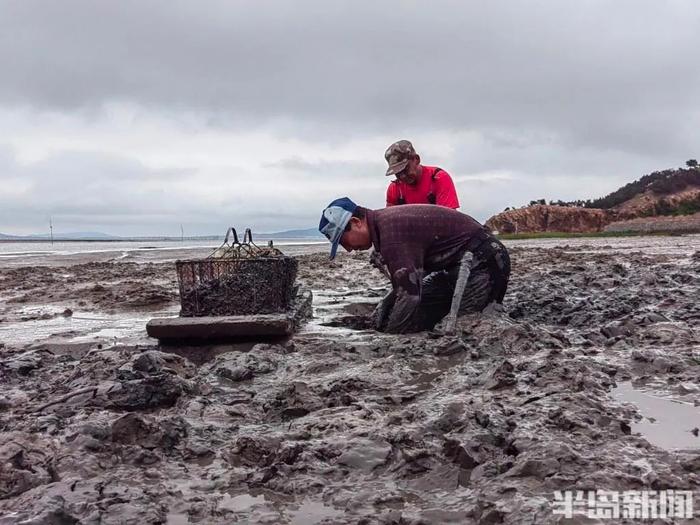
424, 247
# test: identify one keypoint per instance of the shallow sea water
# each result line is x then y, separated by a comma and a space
668, 423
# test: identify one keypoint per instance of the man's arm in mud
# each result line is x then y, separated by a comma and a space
376, 260
407, 288
404, 260
380, 316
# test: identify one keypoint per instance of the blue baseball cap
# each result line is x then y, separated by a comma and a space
334, 219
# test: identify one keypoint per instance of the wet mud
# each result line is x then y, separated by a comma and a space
340, 424
100, 286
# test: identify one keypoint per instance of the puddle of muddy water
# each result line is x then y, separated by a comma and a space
241, 503
666, 423
308, 512
81, 327
177, 518
341, 314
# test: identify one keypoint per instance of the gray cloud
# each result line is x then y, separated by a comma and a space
569, 98
325, 169
83, 189
567, 65
116, 194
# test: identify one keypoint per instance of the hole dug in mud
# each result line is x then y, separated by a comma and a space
355, 316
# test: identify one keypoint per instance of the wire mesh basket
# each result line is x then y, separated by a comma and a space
238, 278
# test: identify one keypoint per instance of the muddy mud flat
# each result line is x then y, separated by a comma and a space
588, 380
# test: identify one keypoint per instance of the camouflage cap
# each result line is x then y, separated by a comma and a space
397, 156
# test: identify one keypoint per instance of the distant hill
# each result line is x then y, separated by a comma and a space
658, 183
74, 236
308, 233
661, 193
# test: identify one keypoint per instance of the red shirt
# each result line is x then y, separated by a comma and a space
442, 187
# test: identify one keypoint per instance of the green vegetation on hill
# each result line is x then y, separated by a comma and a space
663, 207
659, 182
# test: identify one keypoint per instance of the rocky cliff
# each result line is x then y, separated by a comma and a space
647, 205
545, 218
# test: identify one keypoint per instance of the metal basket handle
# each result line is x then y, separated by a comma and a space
248, 237
245, 249
235, 236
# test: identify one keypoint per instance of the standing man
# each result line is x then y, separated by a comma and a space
415, 183
424, 248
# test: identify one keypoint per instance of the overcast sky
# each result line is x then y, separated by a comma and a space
134, 117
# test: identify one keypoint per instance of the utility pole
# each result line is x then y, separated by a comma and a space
182, 234
51, 230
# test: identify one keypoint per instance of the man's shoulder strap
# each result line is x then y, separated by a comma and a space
437, 170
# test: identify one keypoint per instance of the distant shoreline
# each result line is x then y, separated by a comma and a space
315, 240
162, 239
148, 239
